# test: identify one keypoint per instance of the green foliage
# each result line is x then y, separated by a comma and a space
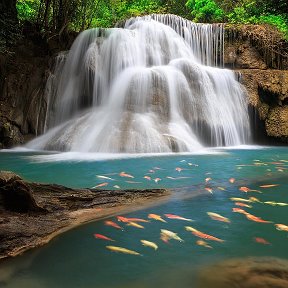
244, 13
260, 12
205, 10
109, 13
58, 15
83, 14
27, 9
278, 21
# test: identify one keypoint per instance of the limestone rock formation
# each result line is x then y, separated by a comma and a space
23, 74
260, 56
22, 82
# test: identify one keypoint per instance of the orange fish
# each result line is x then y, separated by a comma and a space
123, 174
156, 217
126, 220
261, 241
269, 186
113, 224
232, 180
242, 204
100, 185
208, 179
178, 169
100, 236
209, 190
207, 236
134, 224
147, 177
218, 217
256, 219
203, 243
281, 227
202, 235
137, 220
246, 189
253, 199
239, 210
176, 217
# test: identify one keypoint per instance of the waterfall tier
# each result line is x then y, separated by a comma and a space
147, 87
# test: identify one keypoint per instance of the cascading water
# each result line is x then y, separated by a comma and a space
147, 87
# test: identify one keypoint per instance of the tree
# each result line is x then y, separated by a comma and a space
205, 11
9, 30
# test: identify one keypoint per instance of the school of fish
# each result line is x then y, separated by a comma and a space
167, 219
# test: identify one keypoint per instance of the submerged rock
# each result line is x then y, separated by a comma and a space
252, 272
33, 213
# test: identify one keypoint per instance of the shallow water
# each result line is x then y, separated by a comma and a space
77, 259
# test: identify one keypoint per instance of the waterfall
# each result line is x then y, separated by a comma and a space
151, 86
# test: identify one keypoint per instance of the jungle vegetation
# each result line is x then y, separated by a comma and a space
59, 16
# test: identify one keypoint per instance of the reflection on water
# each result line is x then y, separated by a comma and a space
77, 259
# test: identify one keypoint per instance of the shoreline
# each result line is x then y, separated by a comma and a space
50, 210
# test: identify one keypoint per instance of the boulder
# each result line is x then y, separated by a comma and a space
252, 272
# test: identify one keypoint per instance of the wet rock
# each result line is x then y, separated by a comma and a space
22, 85
277, 123
243, 56
23, 75
268, 94
252, 272
16, 195
260, 43
10, 134
256, 51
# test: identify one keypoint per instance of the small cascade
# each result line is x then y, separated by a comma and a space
205, 40
151, 86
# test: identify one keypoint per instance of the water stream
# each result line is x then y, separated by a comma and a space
152, 86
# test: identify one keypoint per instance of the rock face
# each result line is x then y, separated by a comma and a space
253, 272
22, 83
260, 56
23, 75
268, 94
32, 213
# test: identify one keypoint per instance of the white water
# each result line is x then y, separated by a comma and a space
147, 88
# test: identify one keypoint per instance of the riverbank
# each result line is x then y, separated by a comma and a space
32, 213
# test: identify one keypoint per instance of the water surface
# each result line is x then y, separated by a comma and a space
77, 259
